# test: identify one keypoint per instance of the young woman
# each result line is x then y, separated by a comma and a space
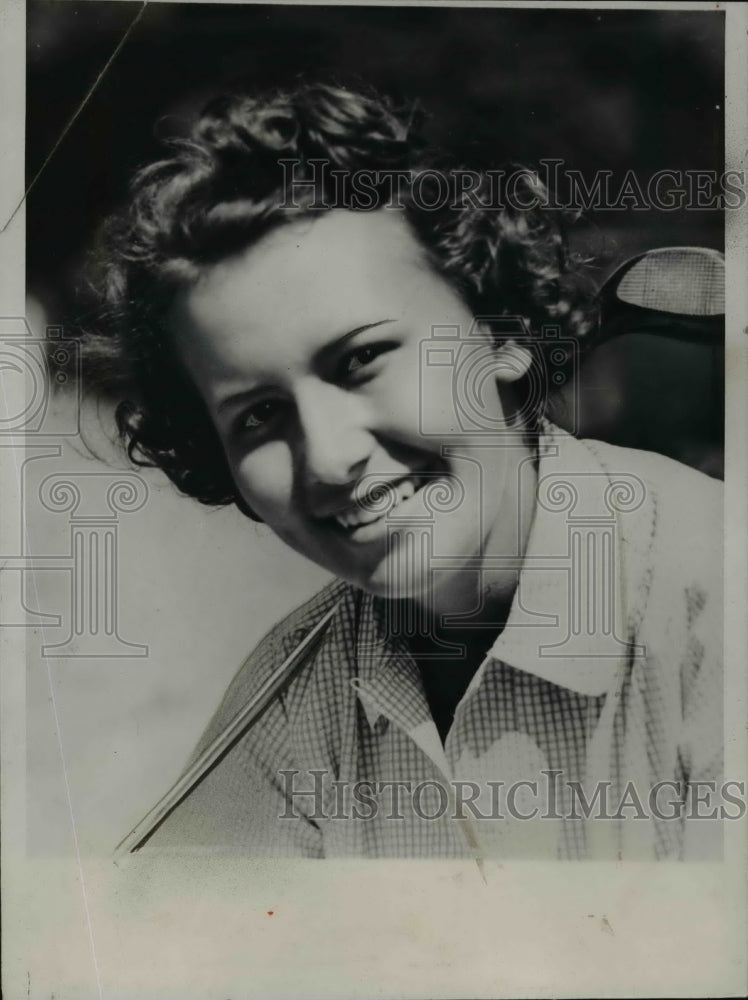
310, 316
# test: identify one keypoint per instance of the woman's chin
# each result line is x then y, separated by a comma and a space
392, 585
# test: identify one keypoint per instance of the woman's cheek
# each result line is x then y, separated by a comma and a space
397, 402
265, 478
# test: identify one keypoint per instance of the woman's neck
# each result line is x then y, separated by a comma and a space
481, 598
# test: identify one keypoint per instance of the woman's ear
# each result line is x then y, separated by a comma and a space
513, 361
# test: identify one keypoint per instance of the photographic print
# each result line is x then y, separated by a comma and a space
377, 456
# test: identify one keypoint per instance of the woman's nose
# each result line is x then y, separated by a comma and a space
335, 441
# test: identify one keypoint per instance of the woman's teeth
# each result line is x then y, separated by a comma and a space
354, 517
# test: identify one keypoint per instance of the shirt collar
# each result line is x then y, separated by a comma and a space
568, 619
388, 682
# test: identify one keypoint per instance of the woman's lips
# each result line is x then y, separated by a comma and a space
384, 499
366, 522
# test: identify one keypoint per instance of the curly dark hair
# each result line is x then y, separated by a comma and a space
228, 183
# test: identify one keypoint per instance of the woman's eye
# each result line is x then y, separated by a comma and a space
362, 357
258, 415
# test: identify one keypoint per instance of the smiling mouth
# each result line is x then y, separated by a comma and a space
381, 500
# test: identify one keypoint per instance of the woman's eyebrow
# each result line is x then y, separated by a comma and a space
334, 345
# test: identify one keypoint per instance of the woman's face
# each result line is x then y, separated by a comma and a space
327, 356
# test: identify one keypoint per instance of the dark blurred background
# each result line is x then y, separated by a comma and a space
601, 89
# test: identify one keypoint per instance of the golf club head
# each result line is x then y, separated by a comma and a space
653, 376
